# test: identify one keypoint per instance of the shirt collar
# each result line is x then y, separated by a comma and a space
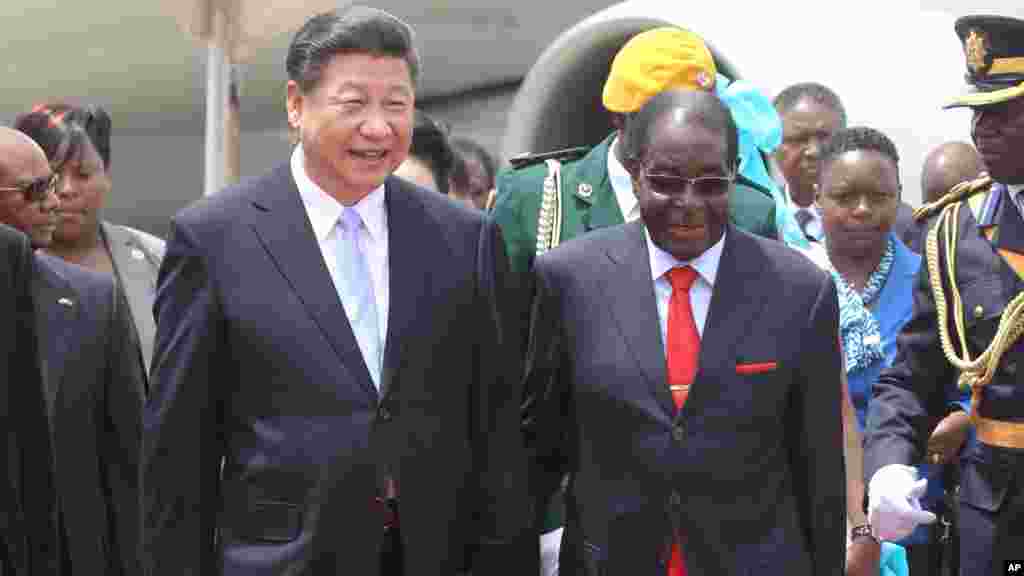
621, 181
324, 210
811, 208
706, 264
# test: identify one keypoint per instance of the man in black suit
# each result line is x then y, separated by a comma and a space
313, 408
92, 389
28, 535
741, 475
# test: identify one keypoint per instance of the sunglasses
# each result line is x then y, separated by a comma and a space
36, 190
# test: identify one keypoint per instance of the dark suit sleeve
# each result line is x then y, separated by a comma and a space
547, 412
182, 440
506, 544
121, 436
815, 436
31, 531
898, 422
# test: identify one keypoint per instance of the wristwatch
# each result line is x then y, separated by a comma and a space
863, 531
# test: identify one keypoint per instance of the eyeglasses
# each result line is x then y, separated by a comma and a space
36, 190
672, 185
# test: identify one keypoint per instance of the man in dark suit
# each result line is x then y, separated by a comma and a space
92, 387
28, 535
314, 409
746, 476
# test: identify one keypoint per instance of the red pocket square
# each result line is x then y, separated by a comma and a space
756, 367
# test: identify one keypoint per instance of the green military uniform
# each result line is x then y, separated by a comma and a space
588, 203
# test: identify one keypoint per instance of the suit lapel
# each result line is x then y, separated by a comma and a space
285, 232
1009, 242
58, 312
630, 292
409, 273
734, 306
1011, 226
135, 277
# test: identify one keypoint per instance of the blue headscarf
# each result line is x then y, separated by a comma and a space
760, 131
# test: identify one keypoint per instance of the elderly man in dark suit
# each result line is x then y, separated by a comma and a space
28, 535
696, 413
314, 409
91, 384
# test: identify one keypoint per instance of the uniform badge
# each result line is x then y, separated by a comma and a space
976, 48
137, 254
584, 190
703, 79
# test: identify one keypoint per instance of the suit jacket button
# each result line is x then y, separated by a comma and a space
384, 414
678, 433
675, 500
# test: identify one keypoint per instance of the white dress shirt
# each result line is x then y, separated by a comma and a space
706, 266
622, 185
323, 211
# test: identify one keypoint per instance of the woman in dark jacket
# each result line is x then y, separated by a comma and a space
76, 141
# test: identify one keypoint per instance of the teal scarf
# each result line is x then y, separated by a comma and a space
862, 340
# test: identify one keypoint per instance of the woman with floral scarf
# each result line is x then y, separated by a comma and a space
858, 194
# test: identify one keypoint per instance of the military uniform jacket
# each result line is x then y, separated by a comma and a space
588, 203
910, 397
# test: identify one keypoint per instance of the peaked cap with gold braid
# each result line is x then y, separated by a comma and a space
994, 51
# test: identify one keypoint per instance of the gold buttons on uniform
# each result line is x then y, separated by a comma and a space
979, 311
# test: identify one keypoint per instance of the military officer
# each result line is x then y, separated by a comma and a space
595, 189
967, 322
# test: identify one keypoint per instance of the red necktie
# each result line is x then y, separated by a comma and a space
682, 352
683, 346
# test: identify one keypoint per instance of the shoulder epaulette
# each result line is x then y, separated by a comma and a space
956, 194
528, 158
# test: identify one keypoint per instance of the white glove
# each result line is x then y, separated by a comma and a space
550, 544
893, 507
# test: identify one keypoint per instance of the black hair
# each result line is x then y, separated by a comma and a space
703, 107
61, 129
858, 138
466, 149
430, 146
819, 93
356, 29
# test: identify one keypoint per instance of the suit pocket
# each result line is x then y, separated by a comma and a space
267, 521
748, 368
